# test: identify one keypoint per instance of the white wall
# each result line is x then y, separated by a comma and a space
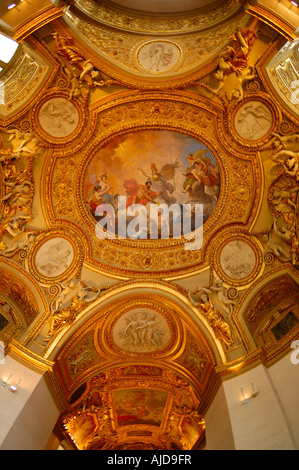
285, 379
269, 421
260, 424
28, 416
219, 434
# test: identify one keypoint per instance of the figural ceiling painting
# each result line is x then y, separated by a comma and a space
140, 406
152, 167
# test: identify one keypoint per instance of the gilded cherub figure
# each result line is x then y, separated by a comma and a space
73, 296
238, 92
64, 317
216, 292
215, 319
16, 237
282, 233
82, 70
234, 59
291, 165
284, 139
73, 288
221, 328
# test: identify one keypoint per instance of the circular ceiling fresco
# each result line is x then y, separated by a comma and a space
154, 170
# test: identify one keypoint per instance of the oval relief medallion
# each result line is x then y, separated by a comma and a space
237, 260
253, 120
58, 117
54, 257
141, 331
158, 57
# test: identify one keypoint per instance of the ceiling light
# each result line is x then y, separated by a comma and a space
294, 2
12, 5
8, 48
13, 388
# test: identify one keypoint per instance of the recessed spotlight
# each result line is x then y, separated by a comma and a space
295, 3
12, 5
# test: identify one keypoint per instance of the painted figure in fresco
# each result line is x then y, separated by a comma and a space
139, 194
94, 200
202, 172
105, 188
159, 184
100, 193
163, 184
199, 173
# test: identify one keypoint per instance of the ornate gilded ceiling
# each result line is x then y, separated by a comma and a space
136, 333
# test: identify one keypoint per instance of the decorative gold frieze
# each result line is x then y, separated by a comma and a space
155, 24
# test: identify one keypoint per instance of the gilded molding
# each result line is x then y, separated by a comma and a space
155, 24
33, 360
119, 61
269, 17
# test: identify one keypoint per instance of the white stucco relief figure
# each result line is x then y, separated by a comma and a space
158, 56
58, 117
217, 293
74, 288
54, 257
253, 121
142, 331
14, 236
237, 260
